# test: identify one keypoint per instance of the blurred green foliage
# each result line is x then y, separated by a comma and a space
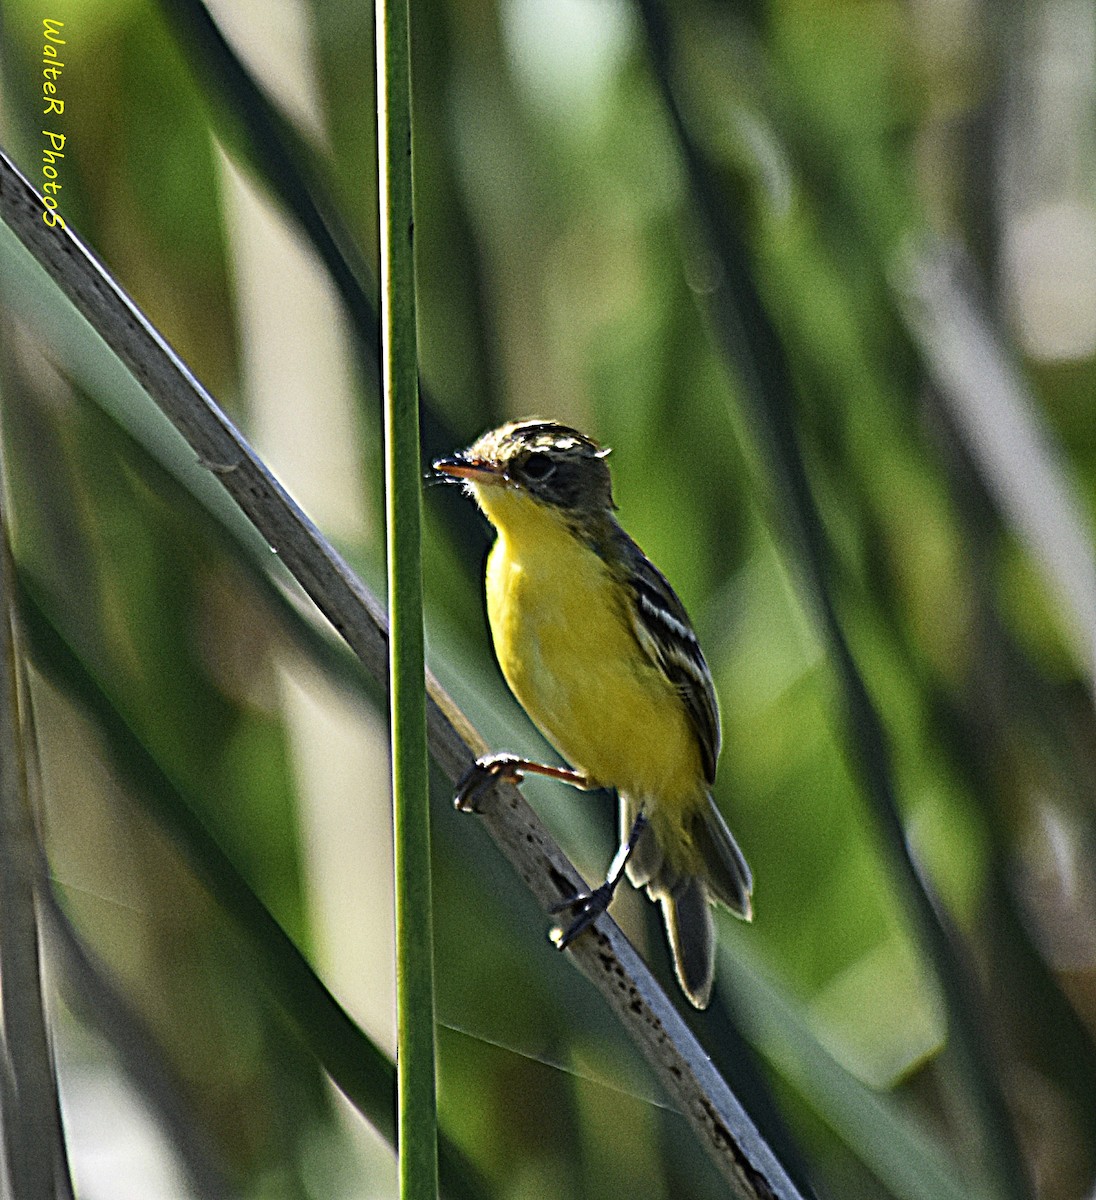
562, 271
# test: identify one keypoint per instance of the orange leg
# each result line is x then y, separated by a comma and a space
513, 769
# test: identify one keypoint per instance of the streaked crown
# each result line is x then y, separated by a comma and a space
556, 464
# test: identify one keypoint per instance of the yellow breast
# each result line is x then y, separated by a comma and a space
567, 649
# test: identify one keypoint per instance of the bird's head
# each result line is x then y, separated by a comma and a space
552, 465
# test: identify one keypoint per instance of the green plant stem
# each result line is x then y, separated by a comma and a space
417, 1105
354, 1062
253, 130
33, 1132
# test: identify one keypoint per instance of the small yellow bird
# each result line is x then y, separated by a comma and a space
600, 653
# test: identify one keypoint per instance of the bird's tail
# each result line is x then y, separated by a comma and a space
685, 898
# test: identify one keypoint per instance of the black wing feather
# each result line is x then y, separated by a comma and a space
665, 632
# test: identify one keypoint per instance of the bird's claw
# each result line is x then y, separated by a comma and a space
587, 906
482, 774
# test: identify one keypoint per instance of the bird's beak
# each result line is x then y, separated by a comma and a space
460, 466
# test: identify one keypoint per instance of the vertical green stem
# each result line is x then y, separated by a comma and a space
33, 1132
411, 819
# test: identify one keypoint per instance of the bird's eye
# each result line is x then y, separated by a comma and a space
538, 466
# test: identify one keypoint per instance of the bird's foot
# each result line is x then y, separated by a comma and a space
482, 775
587, 907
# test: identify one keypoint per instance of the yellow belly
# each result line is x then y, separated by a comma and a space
568, 652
